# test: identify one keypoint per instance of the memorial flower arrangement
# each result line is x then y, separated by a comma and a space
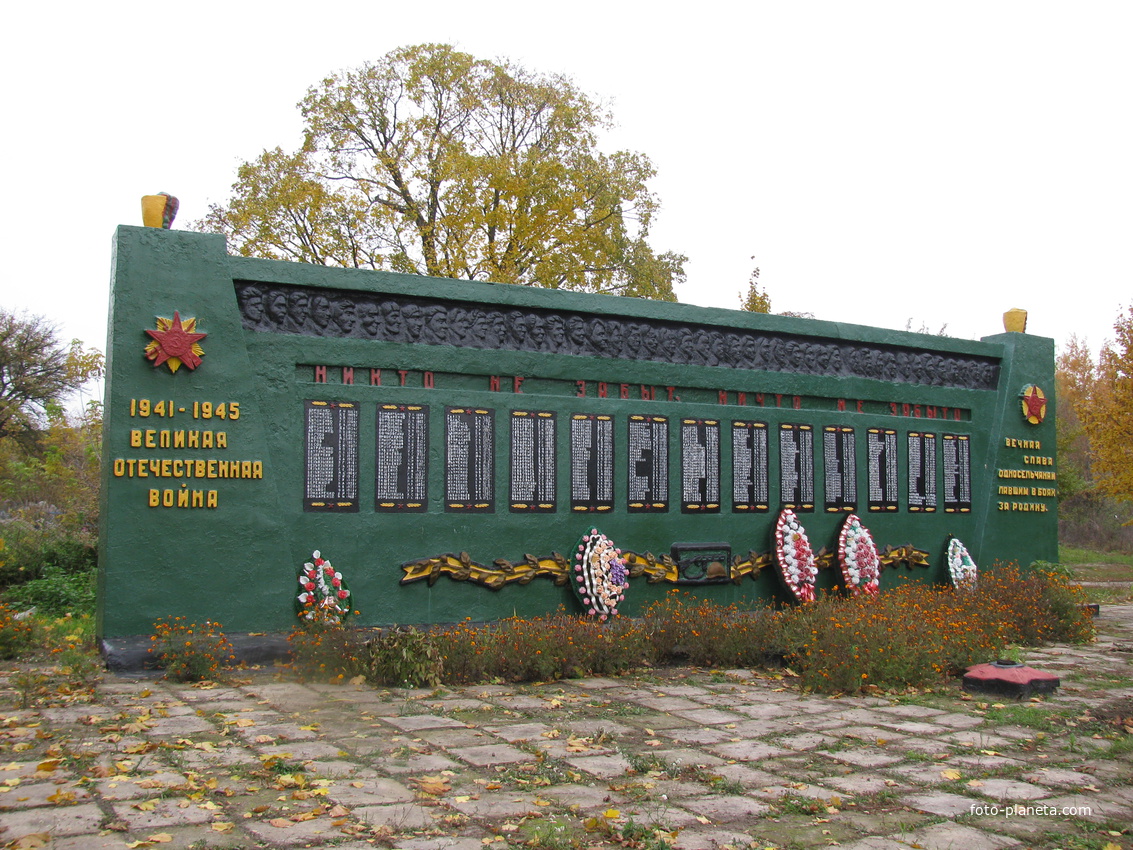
599, 575
961, 567
794, 556
857, 555
323, 595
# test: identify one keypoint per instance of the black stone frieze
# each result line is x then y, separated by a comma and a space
317, 312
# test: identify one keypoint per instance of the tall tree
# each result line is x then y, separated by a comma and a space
756, 300
1073, 385
432, 161
1107, 417
36, 371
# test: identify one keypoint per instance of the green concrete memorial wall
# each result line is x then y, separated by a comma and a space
446, 443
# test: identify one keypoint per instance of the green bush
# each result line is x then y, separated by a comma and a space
57, 593
404, 657
32, 543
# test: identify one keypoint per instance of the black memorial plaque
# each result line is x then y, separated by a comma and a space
839, 453
882, 446
796, 466
470, 453
700, 466
922, 472
533, 464
750, 487
591, 462
401, 458
330, 463
648, 468
957, 473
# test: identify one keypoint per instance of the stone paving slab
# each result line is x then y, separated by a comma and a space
748, 751
417, 722
952, 836
942, 803
84, 819
28, 794
1011, 790
491, 754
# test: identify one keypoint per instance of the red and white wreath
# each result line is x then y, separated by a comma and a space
857, 555
794, 556
323, 595
961, 568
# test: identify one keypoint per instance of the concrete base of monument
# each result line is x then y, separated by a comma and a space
1009, 678
132, 655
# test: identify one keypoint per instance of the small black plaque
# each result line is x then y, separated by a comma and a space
882, 446
533, 461
750, 488
839, 453
401, 458
796, 466
700, 466
330, 463
922, 472
957, 473
470, 453
591, 462
647, 489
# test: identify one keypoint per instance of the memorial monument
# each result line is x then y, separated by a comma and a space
446, 443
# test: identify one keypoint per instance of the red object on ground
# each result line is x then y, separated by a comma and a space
1009, 678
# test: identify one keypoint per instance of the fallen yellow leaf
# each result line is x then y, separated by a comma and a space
30, 841
432, 785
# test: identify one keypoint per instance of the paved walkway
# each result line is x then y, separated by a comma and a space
700, 759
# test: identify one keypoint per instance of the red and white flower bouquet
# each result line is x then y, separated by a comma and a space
323, 595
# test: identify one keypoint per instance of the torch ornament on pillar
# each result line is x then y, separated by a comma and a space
159, 210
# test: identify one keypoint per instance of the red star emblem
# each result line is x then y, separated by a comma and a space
1034, 404
175, 343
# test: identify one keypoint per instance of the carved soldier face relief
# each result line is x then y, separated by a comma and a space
320, 312
391, 315
343, 314
252, 303
414, 322
371, 319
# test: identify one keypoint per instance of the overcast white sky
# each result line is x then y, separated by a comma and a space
882, 161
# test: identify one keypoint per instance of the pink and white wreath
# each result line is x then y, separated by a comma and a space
599, 576
961, 568
857, 556
795, 557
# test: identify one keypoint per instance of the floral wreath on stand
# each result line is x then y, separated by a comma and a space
323, 596
961, 568
795, 557
600, 577
857, 555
